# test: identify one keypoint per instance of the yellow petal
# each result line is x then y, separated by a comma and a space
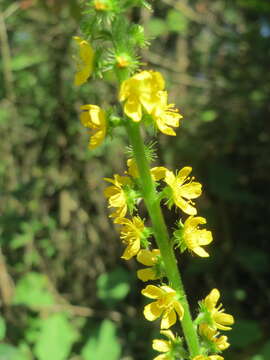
222, 320
216, 357
131, 250
133, 109
191, 190
146, 274
147, 257
222, 343
124, 90
96, 139
192, 222
161, 345
158, 173
85, 63
179, 309
158, 80
170, 178
211, 299
152, 292
132, 168
206, 331
152, 311
168, 333
185, 206
168, 319
183, 174
85, 119
200, 251
164, 128
162, 357
148, 101
204, 237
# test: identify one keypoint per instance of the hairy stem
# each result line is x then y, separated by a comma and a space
161, 232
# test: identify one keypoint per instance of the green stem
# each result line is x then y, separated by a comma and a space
161, 233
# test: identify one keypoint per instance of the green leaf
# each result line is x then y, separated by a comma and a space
35, 284
20, 240
245, 332
266, 350
156, 27
2, 328
113, 286
209, 115
8, 352
23, 61
176, 21
56, 338
104, 344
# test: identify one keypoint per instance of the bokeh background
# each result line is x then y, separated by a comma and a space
65, 294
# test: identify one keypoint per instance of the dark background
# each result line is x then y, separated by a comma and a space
65, 294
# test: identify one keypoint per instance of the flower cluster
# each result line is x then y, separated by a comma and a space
143, 100
143, 94
211, 319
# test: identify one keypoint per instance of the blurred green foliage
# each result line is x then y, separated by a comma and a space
65, 293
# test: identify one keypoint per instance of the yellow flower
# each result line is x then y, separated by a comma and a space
167, 347
140, 92
100, 5
218, 319
94, 117
85, 61
117, 196
211, 357
132, 233
191, 237
149, 258
210, 334
183, 187
165, 115
166, 305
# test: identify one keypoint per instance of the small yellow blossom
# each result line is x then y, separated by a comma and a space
211, 357
140, 93
149, 258
85, 61
122, 61
94, 117
166, 305
167, 347
193, 238
131, 234
218, 319
183, 190
100, 5
165, 115
116, 195
220, 342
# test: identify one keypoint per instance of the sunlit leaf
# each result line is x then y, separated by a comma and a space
103, 344
56, 338
32, 290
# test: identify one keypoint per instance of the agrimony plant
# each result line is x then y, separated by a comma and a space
110, 42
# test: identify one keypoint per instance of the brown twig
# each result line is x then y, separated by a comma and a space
6, 56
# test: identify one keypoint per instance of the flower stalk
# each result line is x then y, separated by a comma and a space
161, 233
